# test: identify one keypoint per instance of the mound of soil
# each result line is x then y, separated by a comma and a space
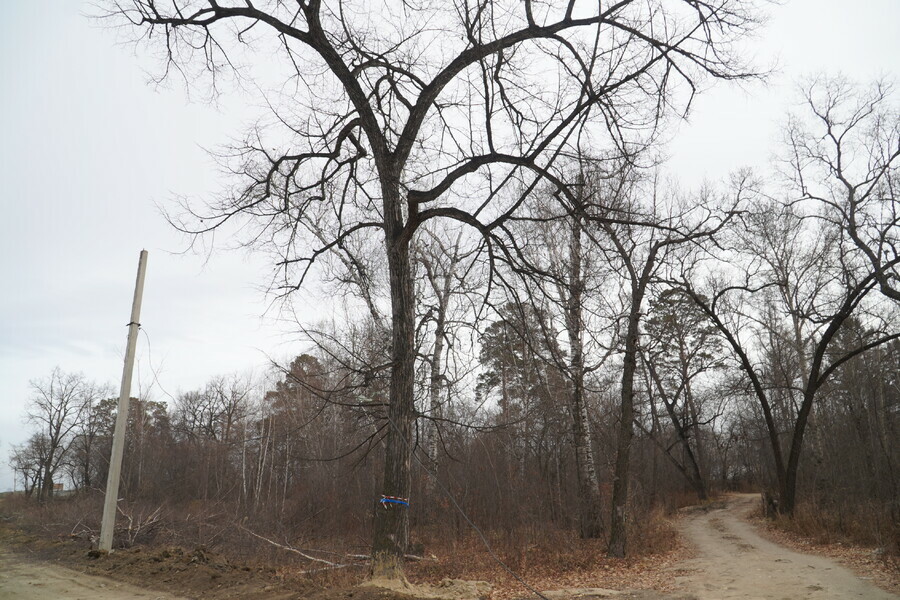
447, 589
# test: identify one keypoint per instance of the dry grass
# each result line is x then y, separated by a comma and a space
862, 539
864, 524
549, 559
544, 556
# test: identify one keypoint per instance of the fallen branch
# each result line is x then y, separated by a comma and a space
406, 556
419, 558
72, 534
320, 569
331, 565
140, 524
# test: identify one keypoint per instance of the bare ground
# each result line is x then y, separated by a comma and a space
734, 561
26, 580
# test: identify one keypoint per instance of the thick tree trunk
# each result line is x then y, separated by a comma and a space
788, 491
617, 540
391, 519
47, 488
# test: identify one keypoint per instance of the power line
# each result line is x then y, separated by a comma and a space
152, 370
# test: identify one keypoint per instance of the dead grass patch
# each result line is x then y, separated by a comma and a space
202, 550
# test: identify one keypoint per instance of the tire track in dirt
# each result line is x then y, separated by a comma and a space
24, 580
734, 561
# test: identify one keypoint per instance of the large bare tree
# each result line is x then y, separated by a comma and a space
391, 114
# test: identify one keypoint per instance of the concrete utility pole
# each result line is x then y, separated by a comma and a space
108, 525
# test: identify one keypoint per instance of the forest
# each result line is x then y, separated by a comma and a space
535, 331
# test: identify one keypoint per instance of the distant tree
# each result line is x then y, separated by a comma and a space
149, 445
87, 451
207, 420
313, 423
27, 462
645, 226
563, 274
681, 346
450, 287
526, 389
516, 356
856, 421
58, 406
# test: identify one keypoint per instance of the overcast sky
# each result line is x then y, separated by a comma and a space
88, 149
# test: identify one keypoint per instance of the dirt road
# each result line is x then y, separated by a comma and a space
733, 561
25, 580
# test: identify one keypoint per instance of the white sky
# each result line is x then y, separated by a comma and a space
88, 149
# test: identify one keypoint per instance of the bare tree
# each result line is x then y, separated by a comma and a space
438, 110
453, 284
843, 153
682, 346
649, 227
86, 455
58, 406
27, 461
814, 257
561, 274
797, 290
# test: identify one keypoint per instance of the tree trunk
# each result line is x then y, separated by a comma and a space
690, 468
625, 436
46, 490
392, 520
788, 492
590, 522
86, 466
695, 453
47, 487
437, 378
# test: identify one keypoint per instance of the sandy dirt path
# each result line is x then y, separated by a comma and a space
24, 580
733, 561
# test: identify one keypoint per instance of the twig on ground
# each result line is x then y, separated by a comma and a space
331, 565
320, 569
